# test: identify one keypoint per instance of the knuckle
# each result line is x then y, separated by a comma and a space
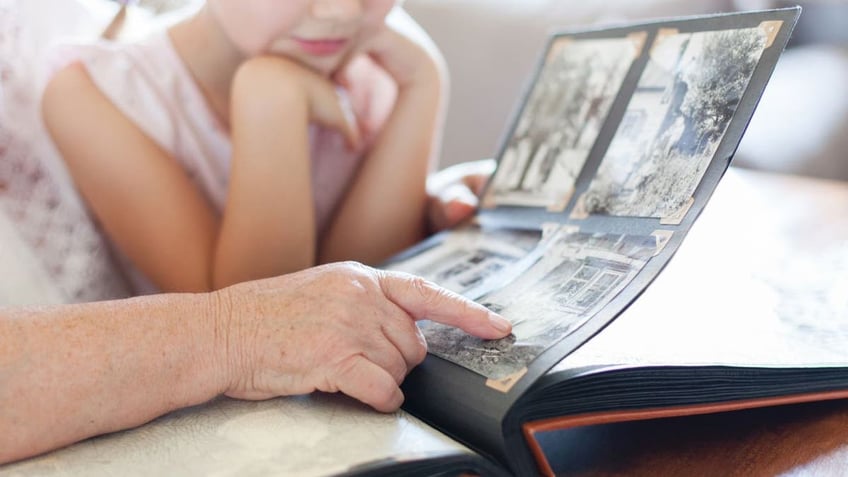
419, 353
434, 296
346, 366
426, 290
331, 380
383, 394
399, 372
358, 268
348, 268
343, 370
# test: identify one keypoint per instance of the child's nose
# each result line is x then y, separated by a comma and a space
336, 9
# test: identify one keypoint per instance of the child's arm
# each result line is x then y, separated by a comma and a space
383, 211
141, 197
156, 215
268, 226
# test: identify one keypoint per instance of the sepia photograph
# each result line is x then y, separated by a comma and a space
470, 257
560, 122
674, 122
576, 275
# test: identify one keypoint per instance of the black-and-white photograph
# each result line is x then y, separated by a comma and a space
674, 122
574, 277
470, 258
560, 122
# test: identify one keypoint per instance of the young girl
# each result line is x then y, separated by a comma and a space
253, 138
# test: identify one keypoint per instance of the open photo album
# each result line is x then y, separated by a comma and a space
622, 136
615, 148
619, 143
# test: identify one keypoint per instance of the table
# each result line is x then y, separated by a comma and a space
237, 438
809, 216
801, 439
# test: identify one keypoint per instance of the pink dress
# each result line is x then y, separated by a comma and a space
150, 84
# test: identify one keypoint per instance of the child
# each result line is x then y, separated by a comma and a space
253, 138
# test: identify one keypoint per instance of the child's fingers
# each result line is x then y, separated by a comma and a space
350, 126
332, 108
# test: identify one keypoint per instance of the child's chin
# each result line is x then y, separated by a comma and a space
325, 66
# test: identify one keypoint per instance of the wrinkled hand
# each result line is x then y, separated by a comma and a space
268, 86
453, 192
340, 327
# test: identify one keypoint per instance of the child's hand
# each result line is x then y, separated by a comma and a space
399, 77
404, 51
452, 193
263, 82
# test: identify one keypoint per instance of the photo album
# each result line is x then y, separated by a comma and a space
618, 144
615, 148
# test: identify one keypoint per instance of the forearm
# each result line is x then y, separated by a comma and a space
383, 211
268, 225
71, 372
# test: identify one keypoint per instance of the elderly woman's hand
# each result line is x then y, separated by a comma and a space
340, 327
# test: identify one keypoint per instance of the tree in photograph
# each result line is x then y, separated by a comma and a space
717, 78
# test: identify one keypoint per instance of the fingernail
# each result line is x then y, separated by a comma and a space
500, 323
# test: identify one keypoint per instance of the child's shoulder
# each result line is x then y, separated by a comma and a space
116, 58
145, 80
132, 75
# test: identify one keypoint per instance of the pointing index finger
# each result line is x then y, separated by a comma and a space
422, 299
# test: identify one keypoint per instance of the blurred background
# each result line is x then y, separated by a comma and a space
491, 47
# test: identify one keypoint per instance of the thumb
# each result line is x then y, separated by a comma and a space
422, 299
447, 210
458, 210
449, 206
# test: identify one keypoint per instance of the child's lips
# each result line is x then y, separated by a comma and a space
321, 47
